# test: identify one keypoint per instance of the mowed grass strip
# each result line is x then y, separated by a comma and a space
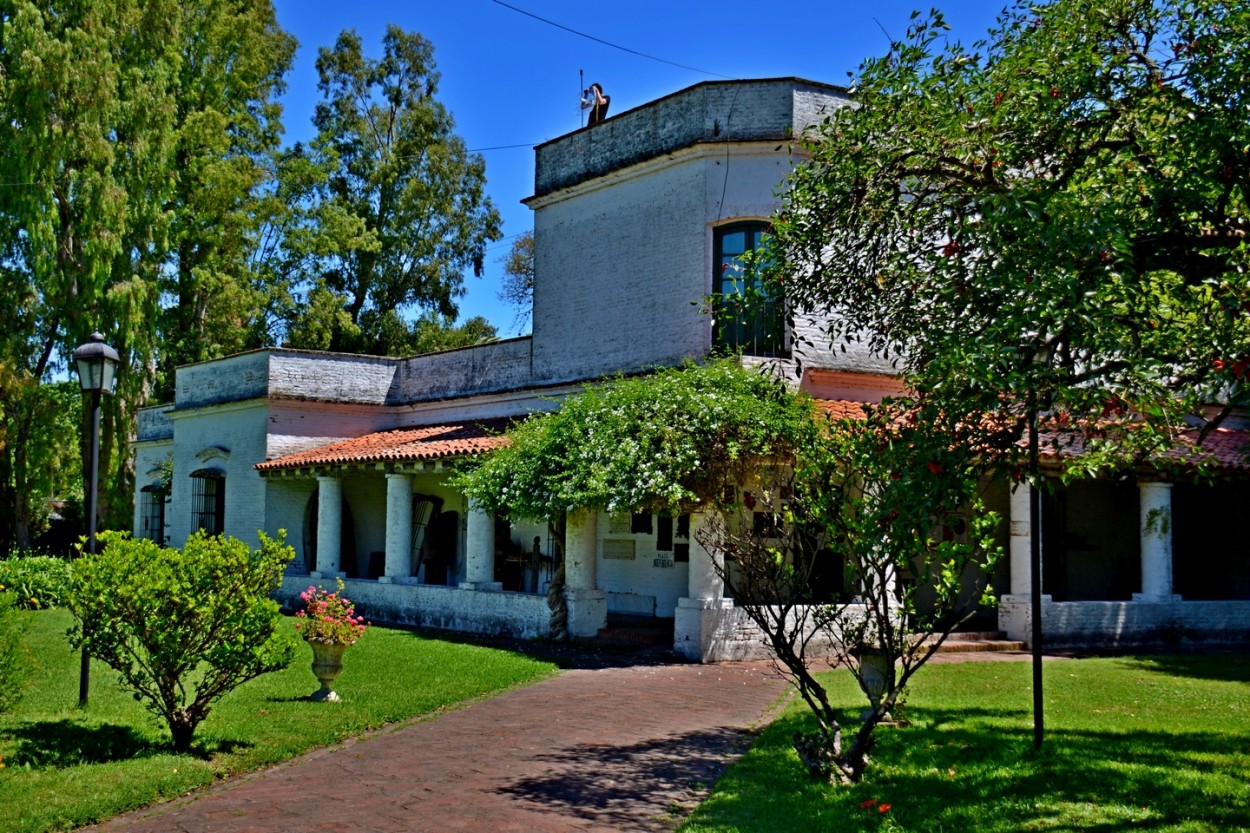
1149, 742
64, 767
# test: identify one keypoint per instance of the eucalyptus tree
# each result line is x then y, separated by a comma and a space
401, 211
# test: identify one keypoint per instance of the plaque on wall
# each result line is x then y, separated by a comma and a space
623, 550
618, 524
664, 562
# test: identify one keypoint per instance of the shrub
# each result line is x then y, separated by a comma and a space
38, 582
12, 664
182, 627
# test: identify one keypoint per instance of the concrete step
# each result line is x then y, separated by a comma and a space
977, 641
636, 631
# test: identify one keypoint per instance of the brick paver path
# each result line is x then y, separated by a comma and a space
614, 749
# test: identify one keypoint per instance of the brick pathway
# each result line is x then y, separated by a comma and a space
611, 749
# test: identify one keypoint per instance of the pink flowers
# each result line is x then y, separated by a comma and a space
329, 618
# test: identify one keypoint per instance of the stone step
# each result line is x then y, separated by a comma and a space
970, 646
977, 641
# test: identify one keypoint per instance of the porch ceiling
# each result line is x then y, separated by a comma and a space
401, 445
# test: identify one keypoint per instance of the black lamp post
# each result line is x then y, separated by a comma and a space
97, 365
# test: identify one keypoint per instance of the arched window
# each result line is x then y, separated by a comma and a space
208, 500
748, 319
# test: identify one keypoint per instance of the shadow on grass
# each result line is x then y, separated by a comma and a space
976, 770
1228, 666
55, 744
564, 655
630, 787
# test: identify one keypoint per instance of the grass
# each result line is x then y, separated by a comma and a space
64, 767
1141, 743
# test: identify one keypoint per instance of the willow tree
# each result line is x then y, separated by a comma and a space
1054, 216
129, 150
87, 93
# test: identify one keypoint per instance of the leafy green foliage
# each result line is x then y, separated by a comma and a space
393, 206
661, 442
134, 148
879, 543
38, 581
1056, 212
13, 660
182, 627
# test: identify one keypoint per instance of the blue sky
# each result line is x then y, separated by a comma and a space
512, 81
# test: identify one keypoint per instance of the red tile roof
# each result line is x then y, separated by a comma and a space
426, 442
842, 408
1225, 450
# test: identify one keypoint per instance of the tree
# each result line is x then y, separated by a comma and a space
860, 535
662, 442
405, 198
134, 148
182, 628
85, 151
1054, 218
518, 276
865, 553
234, 58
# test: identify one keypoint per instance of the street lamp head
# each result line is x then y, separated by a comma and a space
97, 365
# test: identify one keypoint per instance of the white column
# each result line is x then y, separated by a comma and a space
588, 605
704, 582
479, 551
1019, 556
329, 527
703, 612
398, 527
1156, 542
580, 550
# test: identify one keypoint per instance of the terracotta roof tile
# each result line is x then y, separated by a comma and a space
842, 408
1224, 449
426, 442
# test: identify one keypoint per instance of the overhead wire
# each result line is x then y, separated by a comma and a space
609, 43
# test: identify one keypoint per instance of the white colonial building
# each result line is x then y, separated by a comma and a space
637, 220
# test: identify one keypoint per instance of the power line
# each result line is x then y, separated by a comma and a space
608, 43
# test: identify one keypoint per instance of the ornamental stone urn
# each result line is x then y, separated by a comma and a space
326, 665
874, 670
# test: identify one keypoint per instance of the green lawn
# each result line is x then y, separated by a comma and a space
1145, 743
64, 767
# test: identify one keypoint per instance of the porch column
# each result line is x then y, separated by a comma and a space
703, 583
1156, 542
1015, 608
398, 527
329, 527
588, 605
1021, 533
702, 613
479, 551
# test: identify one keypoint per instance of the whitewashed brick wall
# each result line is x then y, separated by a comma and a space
637, 585
518, 615
1119, 624
240, 430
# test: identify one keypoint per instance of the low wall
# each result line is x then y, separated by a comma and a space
713, 630
1125, 624
520, 615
